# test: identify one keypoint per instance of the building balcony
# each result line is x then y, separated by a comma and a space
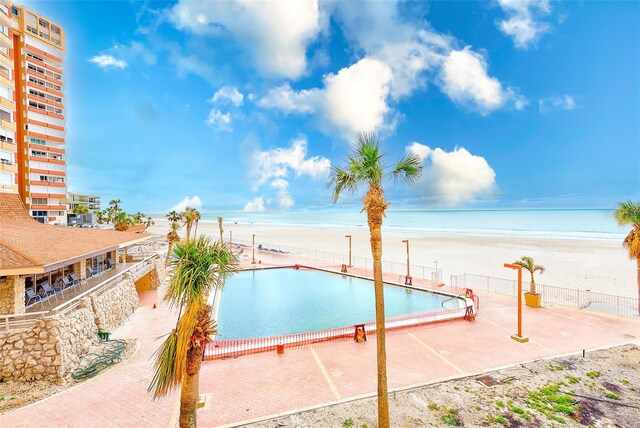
11, 147
8, 125
9, 188
8, 104
5, 40
49, 207
8, 167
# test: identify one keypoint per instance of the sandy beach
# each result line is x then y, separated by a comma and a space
596, 265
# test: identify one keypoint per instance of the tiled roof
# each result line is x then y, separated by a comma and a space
26, 243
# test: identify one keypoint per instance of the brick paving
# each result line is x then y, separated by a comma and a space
260, 385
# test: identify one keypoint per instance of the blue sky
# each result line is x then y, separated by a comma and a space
527, 104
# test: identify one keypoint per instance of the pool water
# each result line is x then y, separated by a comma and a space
274, 302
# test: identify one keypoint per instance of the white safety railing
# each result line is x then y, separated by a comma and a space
581, 299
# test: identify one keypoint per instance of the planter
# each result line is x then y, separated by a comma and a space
533, 300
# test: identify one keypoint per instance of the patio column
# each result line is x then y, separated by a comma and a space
114, 256
12, 295
80, 269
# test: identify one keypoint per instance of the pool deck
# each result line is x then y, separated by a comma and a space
261, 385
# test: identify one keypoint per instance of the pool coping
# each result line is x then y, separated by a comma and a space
218, 349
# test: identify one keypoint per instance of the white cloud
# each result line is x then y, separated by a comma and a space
108, 61
228, 94
277, 163
465, 80
218, 120
564, 102
188, 201
398, 57
274, 167
355, 99
523, 20
275, 32
285, 200
420, 150
452, 178
255, 205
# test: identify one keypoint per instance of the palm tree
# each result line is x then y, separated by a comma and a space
173, 215
101, 216
528, 264
138, 217
149, 222
188, 216
628, 213
172, 237
198, 266
196, 220
220, 228
122, 221
364, 167
80, 209
114, 204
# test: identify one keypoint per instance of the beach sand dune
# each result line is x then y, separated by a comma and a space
596, 265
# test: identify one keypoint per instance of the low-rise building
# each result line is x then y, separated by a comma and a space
91, 202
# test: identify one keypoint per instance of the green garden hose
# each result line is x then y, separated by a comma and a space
92, 363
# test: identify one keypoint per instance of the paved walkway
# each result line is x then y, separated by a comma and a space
260, 385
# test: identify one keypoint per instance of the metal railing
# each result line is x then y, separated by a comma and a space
103, 286
582, 299
234, 348
396, 268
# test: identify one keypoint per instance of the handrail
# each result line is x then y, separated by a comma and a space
30, 317
66, 306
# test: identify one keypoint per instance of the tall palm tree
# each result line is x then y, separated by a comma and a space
149, 222
173, 215
196, 219
220, 228
113, 209
188, 217
364, 167
198, 266
628, 213
138, 217
528, 264
172, 237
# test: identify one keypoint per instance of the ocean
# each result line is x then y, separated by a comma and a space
564, 223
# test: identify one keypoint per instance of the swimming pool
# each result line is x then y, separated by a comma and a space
275, 302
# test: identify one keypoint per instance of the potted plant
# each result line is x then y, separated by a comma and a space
531, 298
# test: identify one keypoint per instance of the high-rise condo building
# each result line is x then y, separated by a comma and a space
32, 113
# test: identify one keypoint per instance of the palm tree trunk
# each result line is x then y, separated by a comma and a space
638, 274
189, 394
375, 205
168, 252
188, 230
383, 397
532, 288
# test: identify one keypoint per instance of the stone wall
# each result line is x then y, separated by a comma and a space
51, 349
113, 306
12, 295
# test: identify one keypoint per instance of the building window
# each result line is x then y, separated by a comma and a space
6, 178
5, 115
39, 201
15, 11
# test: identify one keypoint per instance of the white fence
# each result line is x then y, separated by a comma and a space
416, 271
582, 299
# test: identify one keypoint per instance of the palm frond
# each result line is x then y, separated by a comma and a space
408, 168
632, 243
628, 213
341, 179
164, 367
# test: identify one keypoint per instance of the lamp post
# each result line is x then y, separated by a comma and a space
253, 261
518, 337
437, 274
349, 236
230, 240
407, 279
